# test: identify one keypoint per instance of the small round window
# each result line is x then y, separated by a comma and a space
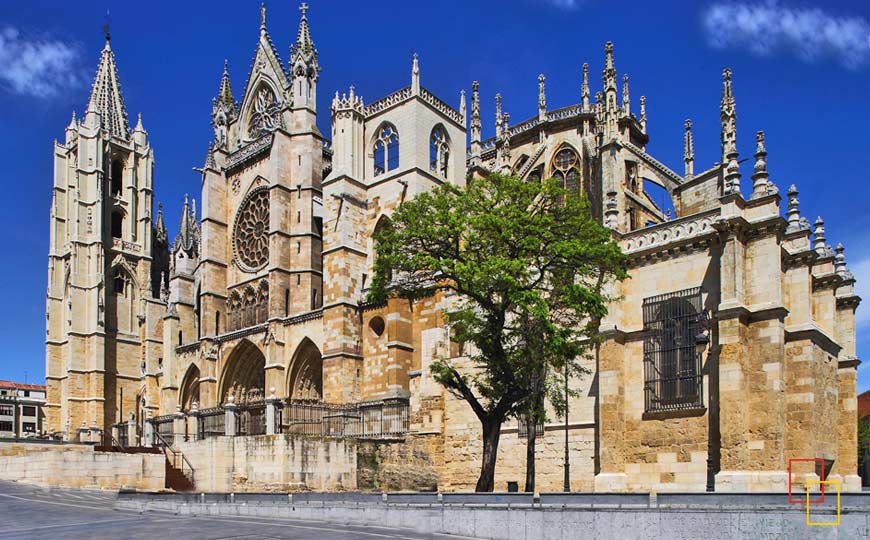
377, 326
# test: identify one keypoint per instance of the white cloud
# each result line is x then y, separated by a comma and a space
767, 27
40, 68
861, 270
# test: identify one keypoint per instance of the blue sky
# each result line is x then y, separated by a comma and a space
801, 72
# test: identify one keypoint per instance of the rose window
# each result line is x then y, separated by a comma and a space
251, 240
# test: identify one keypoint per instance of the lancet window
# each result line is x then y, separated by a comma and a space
566, 169
386, 150
439, 151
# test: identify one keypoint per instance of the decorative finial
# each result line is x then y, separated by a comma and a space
263, 17
643, 113
462, 104
584, 89
498, 119
689, 151
106, 28
475, 119
542, 98
840, 260
760, 177
626, 100
793, 213
819, 244
728, 116
415, 75
303, 7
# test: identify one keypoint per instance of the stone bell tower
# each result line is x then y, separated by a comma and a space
100, 282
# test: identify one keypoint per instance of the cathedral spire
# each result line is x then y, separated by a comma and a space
728, 116
415, 75
160, 227
475, 119
225, 92
188, 231
303, 36
584, 90
263, 17
643, 113
609, 75
626, 99
542, 98
106, 99
689, 151
760, 180
498, 119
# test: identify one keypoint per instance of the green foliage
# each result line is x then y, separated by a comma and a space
527, 261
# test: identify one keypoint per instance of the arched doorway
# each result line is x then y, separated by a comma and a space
306, 373
244, 375
190, 388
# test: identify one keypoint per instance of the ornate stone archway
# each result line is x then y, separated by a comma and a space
190, 388
244, 374
306, 373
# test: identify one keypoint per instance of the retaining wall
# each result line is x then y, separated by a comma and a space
79, 465
552, 517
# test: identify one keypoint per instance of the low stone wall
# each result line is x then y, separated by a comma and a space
555, 517
272, 463
77, 465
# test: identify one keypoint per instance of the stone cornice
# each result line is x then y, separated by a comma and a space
670, 234
814, 334
850, 362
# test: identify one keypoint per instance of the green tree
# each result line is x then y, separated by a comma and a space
515, 253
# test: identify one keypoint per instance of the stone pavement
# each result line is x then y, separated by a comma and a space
28, 512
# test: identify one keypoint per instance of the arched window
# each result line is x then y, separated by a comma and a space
116, 176
566, 168
439, 151
119, 283
286, 302
217, 323
180, 338
386, 149
117, 224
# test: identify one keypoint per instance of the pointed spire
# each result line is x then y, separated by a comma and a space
209, 158
643, 113
840, 260
106, 99
263, 17
504, 151
795, 223
160, 227
225, 92
415, 75
542, 98
760, 182
819, 244
188, 230
584, 89
626, 99
609, 75
689, 151
72, 122
475, 119
139, 127
728, 115
462, 107
303, 36
498, 119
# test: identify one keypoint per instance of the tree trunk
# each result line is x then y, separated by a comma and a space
491, 434
532, 434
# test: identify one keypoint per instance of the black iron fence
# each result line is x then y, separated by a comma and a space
121, 429
211, 423
251, 418
371, 419
163, 426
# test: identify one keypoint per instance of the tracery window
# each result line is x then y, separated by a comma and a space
566, 168
251, 235
265, 113
672, 365
386, 150
439, 151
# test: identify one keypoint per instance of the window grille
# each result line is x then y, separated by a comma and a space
523, 427
672, 365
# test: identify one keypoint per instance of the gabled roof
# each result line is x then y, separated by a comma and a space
106, 98
266, 48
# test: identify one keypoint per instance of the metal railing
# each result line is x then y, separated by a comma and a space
252, 418
211, 423
371, 419
163, 427
175, 457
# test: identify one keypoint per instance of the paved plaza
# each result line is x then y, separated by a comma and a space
28, 512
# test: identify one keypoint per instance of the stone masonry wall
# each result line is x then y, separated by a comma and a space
80, 466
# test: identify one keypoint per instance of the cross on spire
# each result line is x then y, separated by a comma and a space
106, 26
303, 7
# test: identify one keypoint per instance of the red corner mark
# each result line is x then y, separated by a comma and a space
803, 500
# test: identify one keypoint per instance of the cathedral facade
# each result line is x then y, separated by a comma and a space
730, 351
